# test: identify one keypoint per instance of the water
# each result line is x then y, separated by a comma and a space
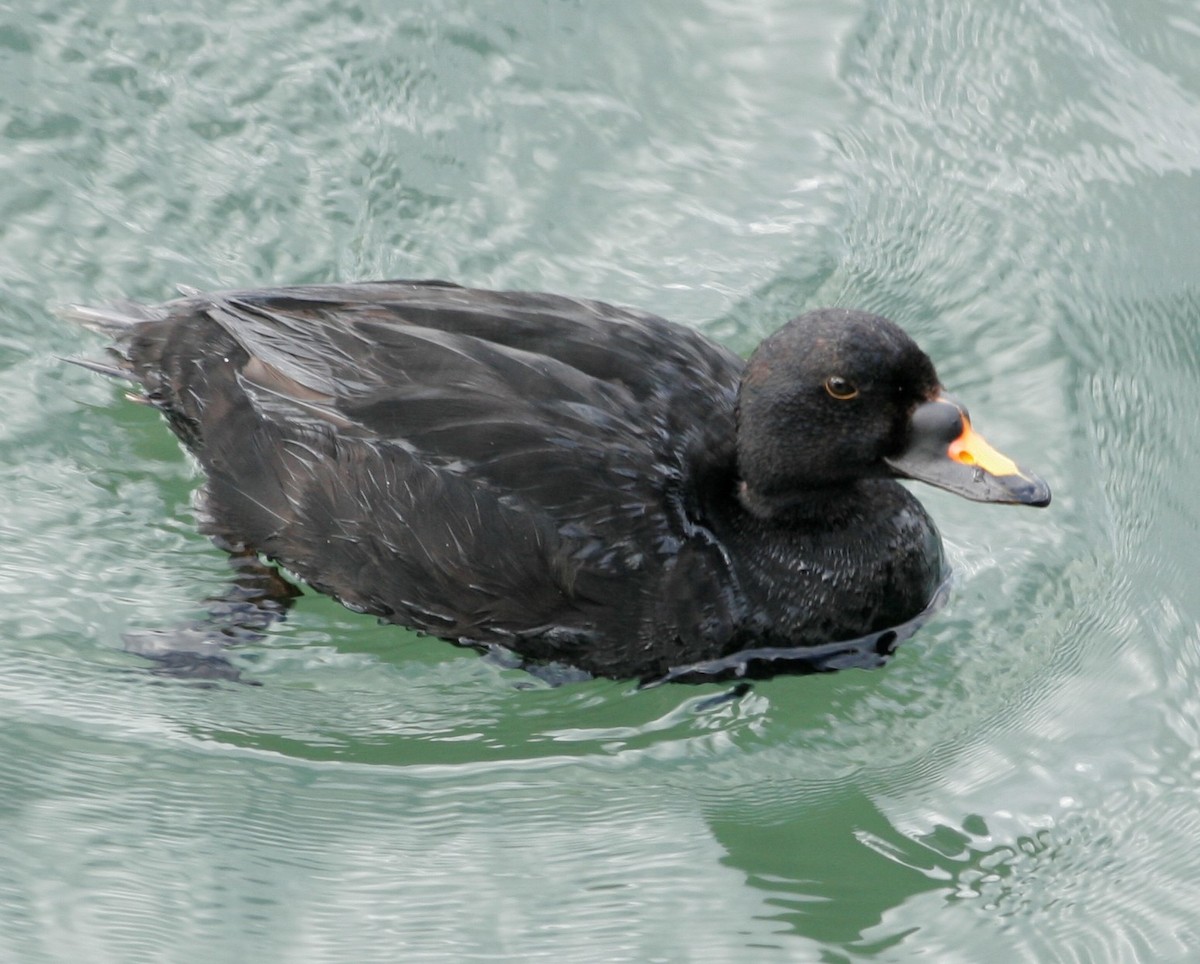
1017, 184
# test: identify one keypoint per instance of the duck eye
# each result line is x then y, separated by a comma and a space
840, 388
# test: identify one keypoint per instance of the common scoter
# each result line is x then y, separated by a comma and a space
581, 483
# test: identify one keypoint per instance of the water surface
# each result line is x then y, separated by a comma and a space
1016, 184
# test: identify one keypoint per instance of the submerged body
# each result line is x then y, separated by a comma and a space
580, 483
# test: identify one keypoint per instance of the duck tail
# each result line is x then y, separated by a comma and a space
117, 322
114, 321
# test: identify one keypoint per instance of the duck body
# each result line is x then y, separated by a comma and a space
577, 482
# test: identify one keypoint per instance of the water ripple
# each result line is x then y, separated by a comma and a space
1014, 183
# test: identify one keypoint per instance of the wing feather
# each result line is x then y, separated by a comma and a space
481, 465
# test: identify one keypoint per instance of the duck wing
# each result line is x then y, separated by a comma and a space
486, 466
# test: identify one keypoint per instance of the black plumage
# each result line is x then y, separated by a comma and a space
578, 482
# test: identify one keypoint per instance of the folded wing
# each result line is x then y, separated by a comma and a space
481, 465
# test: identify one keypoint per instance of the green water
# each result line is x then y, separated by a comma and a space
1018, 184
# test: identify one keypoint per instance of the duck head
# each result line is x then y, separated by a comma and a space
837, 396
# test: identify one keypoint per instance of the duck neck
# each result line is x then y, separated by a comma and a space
828, 504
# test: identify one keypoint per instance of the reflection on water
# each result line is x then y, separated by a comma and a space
1015, 185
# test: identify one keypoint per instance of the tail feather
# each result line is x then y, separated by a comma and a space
112, 371
112, 320
117, 322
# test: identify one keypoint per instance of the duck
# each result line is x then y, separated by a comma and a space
577, 483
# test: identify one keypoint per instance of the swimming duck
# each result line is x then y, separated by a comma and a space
583, 484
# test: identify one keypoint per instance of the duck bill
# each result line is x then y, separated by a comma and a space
944, 450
